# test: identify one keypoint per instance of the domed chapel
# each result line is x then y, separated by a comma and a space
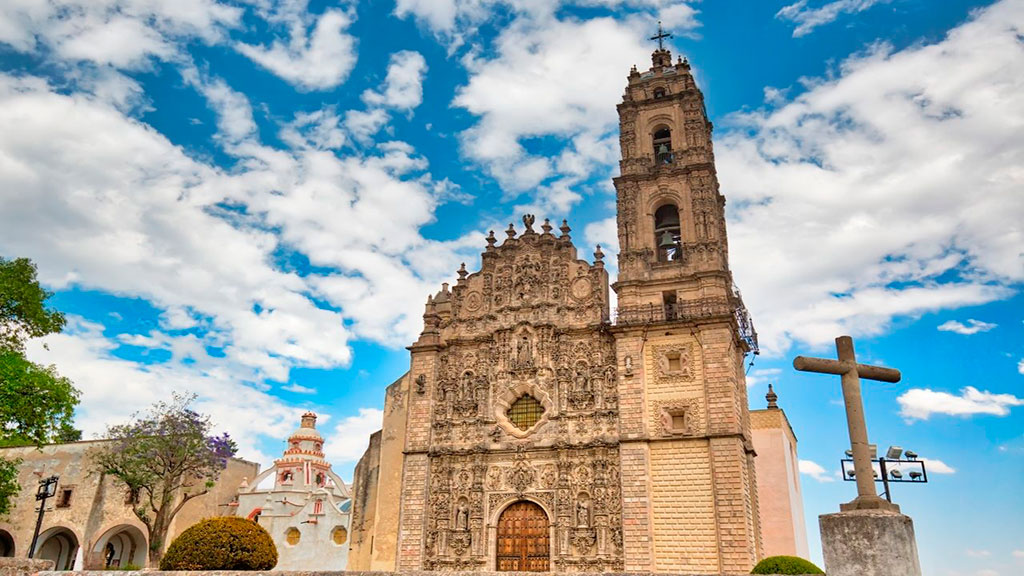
538, 430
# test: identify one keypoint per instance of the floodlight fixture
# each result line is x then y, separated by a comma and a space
915, 475
910, 455
896, 474
874, 450
894, 453
851, 473
849, 453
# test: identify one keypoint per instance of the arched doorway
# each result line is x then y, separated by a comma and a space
6, 544
523, 539
60, 545
119, 547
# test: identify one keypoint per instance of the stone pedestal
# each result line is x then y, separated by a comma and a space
869, 543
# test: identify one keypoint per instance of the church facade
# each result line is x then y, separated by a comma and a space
538, 431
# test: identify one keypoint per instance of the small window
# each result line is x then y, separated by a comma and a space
339, 535
292, 536
675, 421
659, 92
64, 498
679, 421
675, 362
525, 412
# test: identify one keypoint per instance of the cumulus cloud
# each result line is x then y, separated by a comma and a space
890, 189
121, 207
814, 470
934, 466
972, 327
807, 18
922, 403
403, 86
350, 437
554, 80
315, 59
126, 34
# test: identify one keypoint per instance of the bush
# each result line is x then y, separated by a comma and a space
227, 543
785, 565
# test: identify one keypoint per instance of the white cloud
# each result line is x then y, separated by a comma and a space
938, 466
350, 437
978, 553
311, 60
1020, 366
551, 79
814, 470
807, 19
126, 34
1018, 553
891, 189
403, 86
922, 403
972, 327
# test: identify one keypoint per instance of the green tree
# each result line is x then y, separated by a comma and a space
164, 459
36, 403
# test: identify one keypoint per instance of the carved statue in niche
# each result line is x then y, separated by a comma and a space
524, 356
581, 393
582, 513
462, 516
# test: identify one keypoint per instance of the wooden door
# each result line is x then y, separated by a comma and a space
523, 539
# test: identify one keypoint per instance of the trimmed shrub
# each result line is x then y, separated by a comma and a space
227, 543
785, 565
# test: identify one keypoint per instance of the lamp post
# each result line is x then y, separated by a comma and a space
47, 489
887, 472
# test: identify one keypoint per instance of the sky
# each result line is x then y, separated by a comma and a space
251, 200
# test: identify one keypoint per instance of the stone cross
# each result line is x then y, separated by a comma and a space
851, 372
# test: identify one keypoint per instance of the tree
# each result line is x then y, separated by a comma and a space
164, 459
36, 403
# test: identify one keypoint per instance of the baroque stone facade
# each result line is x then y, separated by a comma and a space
536, 430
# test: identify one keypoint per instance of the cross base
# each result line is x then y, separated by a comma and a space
870, 503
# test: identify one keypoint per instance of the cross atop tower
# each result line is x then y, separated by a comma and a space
660, 36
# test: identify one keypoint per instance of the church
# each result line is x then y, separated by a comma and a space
538, 430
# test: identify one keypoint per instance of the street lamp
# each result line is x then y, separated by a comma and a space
898, 465
47, 489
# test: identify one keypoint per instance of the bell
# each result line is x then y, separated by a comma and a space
667, 240
662, 149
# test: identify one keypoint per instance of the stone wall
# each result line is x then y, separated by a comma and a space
23, 566
359, 573
96, 511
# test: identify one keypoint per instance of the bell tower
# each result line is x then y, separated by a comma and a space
682, 336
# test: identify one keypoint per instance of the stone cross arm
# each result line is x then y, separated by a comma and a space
826, 366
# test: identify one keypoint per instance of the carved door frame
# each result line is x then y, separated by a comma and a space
492, 532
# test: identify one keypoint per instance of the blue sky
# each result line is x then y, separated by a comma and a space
251, 201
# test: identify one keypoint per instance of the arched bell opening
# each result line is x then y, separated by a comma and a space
662, 144
523, 542
60, 545
667, 233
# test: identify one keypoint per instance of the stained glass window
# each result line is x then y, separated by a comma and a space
525, 412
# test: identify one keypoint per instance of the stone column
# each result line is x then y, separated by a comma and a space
869, 543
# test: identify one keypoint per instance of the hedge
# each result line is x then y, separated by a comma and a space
227, 543
785, 565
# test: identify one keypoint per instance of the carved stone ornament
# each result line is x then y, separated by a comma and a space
421, 384
583, 540
459, 542
669, 414
674, 362
521, 476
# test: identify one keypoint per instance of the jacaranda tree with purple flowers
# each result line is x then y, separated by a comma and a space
164, 459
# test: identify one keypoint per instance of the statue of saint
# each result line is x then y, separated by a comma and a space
582, 514
462, 516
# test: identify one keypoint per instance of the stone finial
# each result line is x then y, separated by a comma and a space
598, 256
462, 272
772, 398
546, 227
565, 229
511, 230
309, 420
528, 220
491, 240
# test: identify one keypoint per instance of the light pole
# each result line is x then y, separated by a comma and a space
891, 468
47, 488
